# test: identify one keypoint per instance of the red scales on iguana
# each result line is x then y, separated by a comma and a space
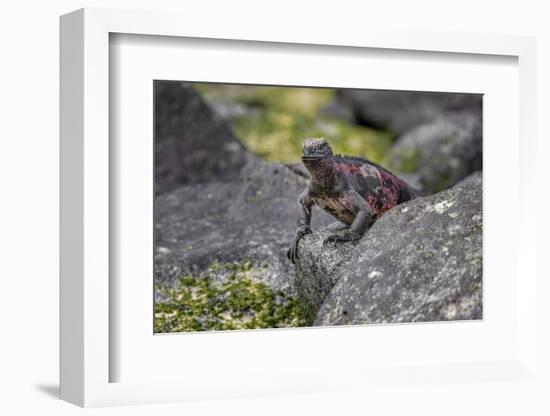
354, 190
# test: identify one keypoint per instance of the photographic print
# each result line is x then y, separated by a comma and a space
283, 206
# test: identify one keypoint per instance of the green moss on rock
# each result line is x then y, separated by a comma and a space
442, 182
406, 160
239, 300
277, 119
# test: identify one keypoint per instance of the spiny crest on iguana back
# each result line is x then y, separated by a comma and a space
357, 160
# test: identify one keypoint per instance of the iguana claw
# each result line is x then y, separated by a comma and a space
292, 252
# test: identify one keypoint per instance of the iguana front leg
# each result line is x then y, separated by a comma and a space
363, 217
304, 219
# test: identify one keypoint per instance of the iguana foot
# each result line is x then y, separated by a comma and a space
340, 238
292, 252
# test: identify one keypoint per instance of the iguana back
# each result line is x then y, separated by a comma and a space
379, 187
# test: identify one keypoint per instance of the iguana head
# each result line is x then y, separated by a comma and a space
317, 158
316, 149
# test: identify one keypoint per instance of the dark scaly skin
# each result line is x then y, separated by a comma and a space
354, 190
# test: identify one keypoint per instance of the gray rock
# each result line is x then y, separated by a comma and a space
319, 269
399, 111
231, 110
192, 145
440, 153
251, 218
339, 110
475, 178
299, 169
216, 202
421, 261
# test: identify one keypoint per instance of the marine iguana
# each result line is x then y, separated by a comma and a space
354, 190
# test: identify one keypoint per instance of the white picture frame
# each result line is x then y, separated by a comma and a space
86, 356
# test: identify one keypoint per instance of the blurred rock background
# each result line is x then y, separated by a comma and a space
228, 172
